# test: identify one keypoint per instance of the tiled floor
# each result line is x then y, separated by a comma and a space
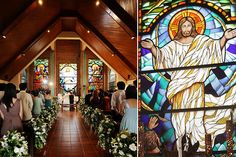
70, 137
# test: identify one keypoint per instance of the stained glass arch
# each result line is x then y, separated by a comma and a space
164, 88
95, 74
68, 77
41, 73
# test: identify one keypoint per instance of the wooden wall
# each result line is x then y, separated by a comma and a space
68, 52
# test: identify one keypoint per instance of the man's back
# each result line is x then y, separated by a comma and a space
27, 104
117, 98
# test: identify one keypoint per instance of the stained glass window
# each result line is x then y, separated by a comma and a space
40, 73
188, 95
23, 76
68, 77
112, 80
95, 74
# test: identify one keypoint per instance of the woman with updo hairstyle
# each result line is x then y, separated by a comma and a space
10, 110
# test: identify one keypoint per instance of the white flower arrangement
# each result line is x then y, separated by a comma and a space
40, 132
124, 144
13, 144
87, 114
106, 130
82, 108
43, 123
96, 117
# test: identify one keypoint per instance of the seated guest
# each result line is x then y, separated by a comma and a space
48, 99
10, 110
101, 96
95, 99
38, 104
129, 110
87, 97
107, 101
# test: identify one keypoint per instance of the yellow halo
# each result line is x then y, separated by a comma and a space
197, 17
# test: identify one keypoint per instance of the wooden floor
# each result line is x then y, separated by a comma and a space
71, 137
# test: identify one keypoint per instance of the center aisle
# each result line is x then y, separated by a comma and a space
71, 137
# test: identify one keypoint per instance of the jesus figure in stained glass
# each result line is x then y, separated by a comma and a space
186, 87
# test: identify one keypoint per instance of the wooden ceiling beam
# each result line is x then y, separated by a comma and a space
122, 14
17, 15
105, 41
26, 36
102, 50
8, 71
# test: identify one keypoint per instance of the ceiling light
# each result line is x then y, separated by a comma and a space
97, 3
132, 37
48, 31
3, 36
40, 2
112, 54
88, 31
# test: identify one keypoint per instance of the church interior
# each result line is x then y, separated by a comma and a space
64, 50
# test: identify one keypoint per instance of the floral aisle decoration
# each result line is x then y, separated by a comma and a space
96, 117
43, 123
124, 144
40, 132
13, 144
87, 114
106, 130
49, 115
82, 109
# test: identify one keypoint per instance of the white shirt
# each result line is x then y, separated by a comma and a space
27, 104
116, 99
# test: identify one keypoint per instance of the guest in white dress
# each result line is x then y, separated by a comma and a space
129, 110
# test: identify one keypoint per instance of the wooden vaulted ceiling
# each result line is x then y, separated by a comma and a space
25, 24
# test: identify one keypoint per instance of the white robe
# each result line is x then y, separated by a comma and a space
186, 87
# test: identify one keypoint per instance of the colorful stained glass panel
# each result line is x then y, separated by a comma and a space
40, 73
178, 92
68, 77
95, 74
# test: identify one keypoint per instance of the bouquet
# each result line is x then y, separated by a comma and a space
106, 130
13, 145
124, 144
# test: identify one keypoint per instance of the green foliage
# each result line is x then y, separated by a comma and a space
13, 145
